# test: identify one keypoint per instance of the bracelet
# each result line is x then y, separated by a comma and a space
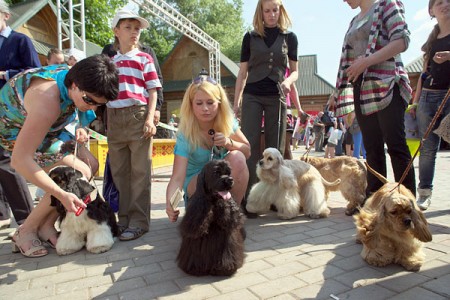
231, 141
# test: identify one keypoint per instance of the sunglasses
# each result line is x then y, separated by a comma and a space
202, 78
88, 100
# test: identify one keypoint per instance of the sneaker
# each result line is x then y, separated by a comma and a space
424, 202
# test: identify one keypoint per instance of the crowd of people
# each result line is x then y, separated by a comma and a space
361, 116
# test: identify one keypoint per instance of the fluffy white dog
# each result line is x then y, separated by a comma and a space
289, 185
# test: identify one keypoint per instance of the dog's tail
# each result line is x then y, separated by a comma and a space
328, 184
376, 174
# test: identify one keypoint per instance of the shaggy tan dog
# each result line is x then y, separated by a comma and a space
350, 171
392, 228
289, 185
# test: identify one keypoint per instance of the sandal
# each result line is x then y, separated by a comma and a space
47, 235
121, 228
36, 250
132, 233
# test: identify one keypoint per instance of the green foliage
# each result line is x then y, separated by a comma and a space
221, 19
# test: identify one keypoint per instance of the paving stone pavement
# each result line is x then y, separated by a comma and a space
295, 259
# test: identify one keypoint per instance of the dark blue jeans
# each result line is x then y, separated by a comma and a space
428, 105
385, 126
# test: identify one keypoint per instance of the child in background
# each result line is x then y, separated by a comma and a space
131, 126
205, 106
334, 136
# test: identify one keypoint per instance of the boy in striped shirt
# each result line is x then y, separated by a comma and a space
130, 125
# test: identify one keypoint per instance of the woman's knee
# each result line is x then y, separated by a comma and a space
238, 164
76, 163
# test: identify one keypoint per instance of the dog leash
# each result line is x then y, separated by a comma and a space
433, 121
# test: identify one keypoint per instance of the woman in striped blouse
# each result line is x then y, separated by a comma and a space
373, 83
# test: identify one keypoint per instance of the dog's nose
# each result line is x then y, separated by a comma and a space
261, 162
407, 221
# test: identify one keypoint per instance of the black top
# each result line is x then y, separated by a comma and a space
439, 74
267, 86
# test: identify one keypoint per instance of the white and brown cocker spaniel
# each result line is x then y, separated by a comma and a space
289, 185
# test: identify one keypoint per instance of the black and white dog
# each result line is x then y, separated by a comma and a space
212, 229
94, 227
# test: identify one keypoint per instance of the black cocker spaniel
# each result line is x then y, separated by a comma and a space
212, 229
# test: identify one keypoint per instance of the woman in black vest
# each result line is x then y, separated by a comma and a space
266, 53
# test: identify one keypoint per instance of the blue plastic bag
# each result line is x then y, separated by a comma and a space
110, 192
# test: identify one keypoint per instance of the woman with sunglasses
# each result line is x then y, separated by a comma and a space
37, 104
207, 130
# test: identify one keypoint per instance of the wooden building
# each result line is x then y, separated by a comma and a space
38, 20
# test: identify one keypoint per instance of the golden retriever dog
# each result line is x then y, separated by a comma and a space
350, 171
392, 228
290, 185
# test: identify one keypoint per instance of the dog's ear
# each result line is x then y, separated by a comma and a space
420, 230
371, 222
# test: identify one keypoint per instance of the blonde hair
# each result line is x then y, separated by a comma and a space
426, 48
284, 22
189, 126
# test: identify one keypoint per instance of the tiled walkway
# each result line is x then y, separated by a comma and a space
295, 259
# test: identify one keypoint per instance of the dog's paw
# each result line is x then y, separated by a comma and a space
351, 211
99, 249
65, 251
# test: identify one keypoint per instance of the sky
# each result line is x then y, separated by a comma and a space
320, 26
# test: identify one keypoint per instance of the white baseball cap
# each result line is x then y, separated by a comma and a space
127, 14
78, 54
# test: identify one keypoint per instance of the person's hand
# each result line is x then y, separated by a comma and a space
413, 110
219, 139
172, 214
331, 104
441, 57
71, 202
149, 129
358, 66
156, 117
286, 88
81, 135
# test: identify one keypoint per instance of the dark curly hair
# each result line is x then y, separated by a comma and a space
96, 75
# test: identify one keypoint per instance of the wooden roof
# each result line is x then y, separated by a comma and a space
310, 83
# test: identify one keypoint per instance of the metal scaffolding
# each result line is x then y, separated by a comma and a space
70, 16
171, 16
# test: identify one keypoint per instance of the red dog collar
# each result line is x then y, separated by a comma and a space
87, 200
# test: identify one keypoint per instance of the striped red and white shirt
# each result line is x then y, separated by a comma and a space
137, 75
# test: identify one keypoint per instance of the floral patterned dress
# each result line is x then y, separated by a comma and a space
13, 113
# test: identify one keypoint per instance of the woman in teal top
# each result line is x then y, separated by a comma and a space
207, 126
36, 106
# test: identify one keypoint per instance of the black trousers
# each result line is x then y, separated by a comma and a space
385, 126
253, 109
14, 189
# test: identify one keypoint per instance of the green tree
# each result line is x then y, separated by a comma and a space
221, 19
99, 14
